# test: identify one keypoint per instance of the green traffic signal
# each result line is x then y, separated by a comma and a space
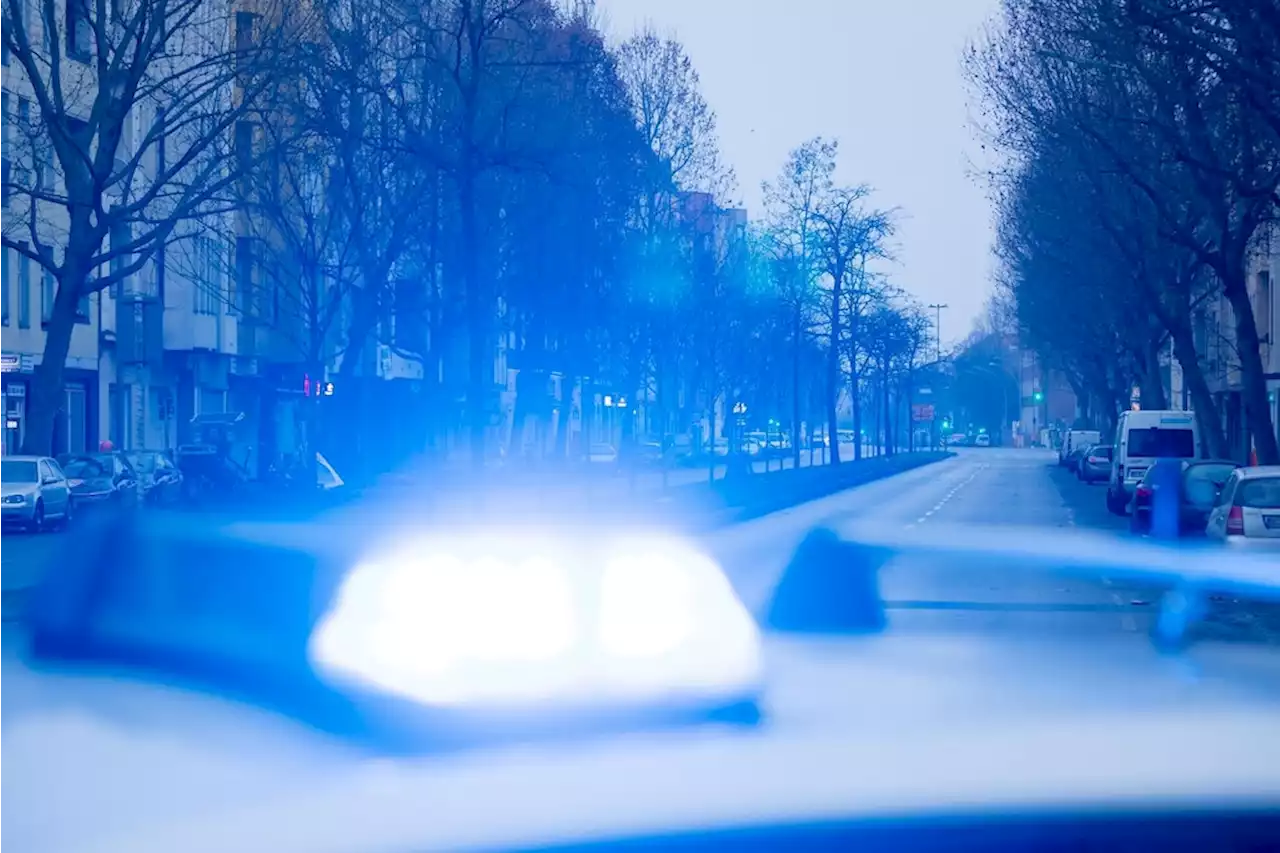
1038, 396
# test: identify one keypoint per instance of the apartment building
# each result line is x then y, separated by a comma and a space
149, 352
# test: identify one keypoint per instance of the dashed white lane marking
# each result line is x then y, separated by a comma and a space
949, 495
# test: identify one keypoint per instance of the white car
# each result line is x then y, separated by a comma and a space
1248, 507
982, 440
36, 491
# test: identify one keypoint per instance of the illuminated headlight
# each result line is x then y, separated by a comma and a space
646, 623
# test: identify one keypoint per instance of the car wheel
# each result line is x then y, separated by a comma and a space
1113, 505
37, 517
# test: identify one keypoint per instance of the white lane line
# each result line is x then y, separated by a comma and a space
951, 494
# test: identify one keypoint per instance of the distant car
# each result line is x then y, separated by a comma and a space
956, 440
35, 491
1072, 460
1074, 443
1094, 465
982, 440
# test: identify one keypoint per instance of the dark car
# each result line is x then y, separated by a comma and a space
1198, 488
1072, 460
1095, 465
102, 478
159, 478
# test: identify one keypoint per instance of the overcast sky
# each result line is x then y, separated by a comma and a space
883, 77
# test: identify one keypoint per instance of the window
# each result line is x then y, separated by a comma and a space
1264, 306
244, 146
244, 31
244, 272
79, 29
48, 295
1162, 443
24, 289
207, 280
4, 116
23, 123
120, 238
4, 290
1259, 493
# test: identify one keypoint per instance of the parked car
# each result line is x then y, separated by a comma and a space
1073, 459
1074, 443
982, 440
36, 491
159, 478
1198, 489
102, 478
1095, 465
1248, 507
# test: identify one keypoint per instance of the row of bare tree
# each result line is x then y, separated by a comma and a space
1142, 142
437, 176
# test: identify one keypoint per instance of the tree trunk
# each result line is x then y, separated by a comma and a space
480, 367
1257, 410
833, 366
855, 403
1211, 433
888, 415
797, 330
48, 386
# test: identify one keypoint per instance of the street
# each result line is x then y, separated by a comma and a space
997, 486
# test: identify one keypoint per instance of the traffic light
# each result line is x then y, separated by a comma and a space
946, 424
1038, 396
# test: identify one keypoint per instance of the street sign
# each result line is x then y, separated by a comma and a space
922, 412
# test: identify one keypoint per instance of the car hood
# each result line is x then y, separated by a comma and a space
855, 727
93, 484
20, 489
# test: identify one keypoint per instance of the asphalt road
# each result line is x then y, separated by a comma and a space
978, 487
996, 486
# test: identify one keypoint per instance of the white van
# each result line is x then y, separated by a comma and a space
1142, 437
1075, 439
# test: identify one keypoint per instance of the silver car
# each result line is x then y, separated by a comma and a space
35, 492
1248, 507
1094, 465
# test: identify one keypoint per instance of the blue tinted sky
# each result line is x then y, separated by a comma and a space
882, 77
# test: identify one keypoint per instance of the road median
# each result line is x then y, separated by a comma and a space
743, 497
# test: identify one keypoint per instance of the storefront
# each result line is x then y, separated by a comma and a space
75, 428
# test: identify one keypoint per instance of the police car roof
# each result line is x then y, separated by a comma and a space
889, 725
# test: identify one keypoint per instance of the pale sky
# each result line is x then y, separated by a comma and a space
883, 77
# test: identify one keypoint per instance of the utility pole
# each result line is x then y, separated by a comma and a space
937, 326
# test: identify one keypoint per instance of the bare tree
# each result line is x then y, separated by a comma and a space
792, 203
848, 235
133, 104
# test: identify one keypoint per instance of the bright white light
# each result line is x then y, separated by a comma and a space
478, 628
646, 606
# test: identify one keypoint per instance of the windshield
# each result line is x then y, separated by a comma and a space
1259, 493
88, 467
18, 471
1162, 443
